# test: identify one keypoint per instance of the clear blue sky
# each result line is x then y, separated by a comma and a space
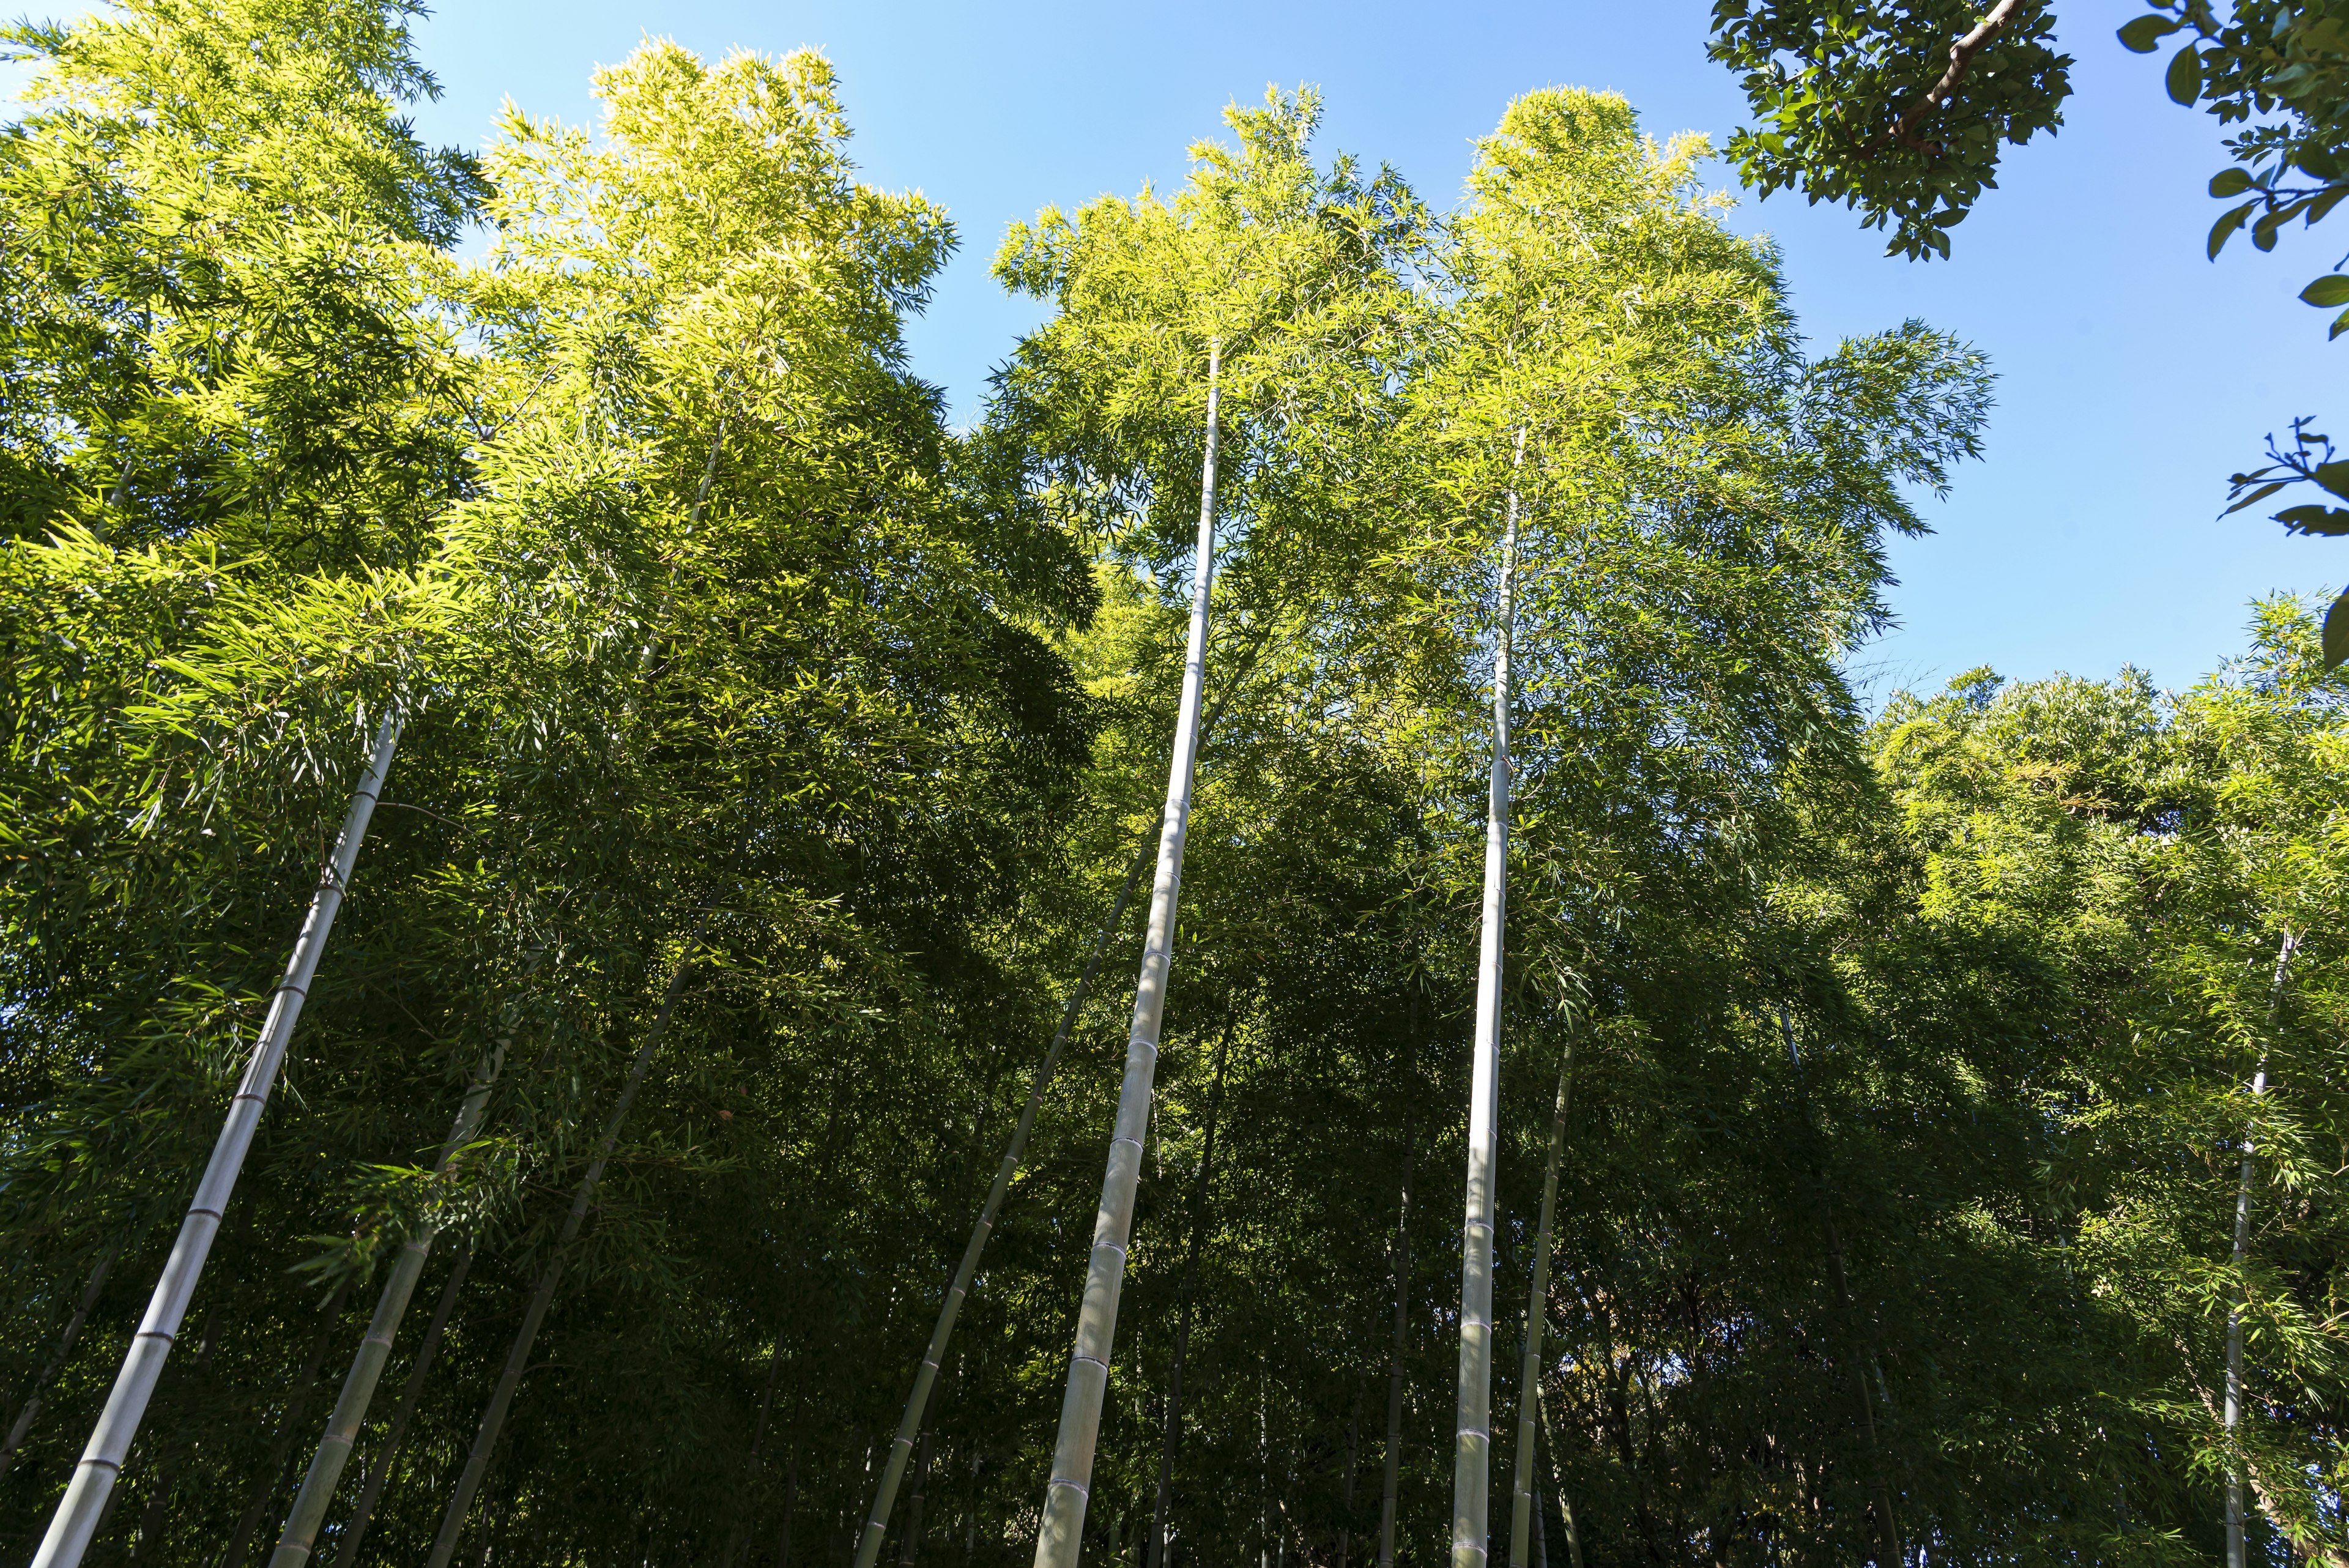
2133, 374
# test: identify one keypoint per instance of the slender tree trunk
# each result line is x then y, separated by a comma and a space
1521, 1517
1472, 1460
1346, 1498
1156, 1547
1393, 1478
411, 1394
485, 1440
746, 1503
289, 1431
1558, 1480
1059, 1536
791, 1506
876, 1523
913, 1532
147, 1545
22, 1427
76, 1520
300, 1536
2233, 1410
1879, 1485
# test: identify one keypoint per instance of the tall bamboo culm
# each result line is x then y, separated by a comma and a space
22, 1427
893, 1473
493, 1418
1154, 1547
1390, 1484
1537, 1310
1472, 1452
76, 1518
303, 1521
2232, 1414
1059, 1538
876, 1524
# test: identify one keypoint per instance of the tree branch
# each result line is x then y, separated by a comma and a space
1961, 55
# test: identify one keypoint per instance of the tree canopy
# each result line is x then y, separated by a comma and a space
1948, 1139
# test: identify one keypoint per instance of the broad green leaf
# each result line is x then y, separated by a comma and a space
2184, 77
2336, 633
2329, 521
2230, 182
2227, 225
2143, 34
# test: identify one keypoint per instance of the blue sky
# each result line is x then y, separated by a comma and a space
2133, 374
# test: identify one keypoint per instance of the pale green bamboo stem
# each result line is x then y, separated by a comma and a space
297, 1400
1060, 1533
493, 1418
1558, 1479
868, 1546
76, 1520
411, 1394
1156, 1547
2232, 1417
22, 1427
1472, 1454
868, 1549
1391, 1485
308, 1514
1536, 1310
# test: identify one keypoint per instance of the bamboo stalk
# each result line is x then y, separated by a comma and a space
1472, 1454
1059, 1535
493, 1418
911, 1543
1156, 1546
868, 1549
1392, 1479
411, 1393
76, 1520
1529, 1373
297, 1400
1558, 1479
300, 1536
2231, 1416
868, 1546
22, 1427
1887, 1520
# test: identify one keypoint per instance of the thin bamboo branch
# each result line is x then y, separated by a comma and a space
1390, 1484
1059, 1534
1558, 1479
22, 1427
76, 1520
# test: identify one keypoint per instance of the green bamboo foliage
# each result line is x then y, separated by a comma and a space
773, 753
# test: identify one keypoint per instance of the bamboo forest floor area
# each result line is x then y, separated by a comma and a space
620, 947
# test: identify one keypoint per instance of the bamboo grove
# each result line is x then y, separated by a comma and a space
714, 806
